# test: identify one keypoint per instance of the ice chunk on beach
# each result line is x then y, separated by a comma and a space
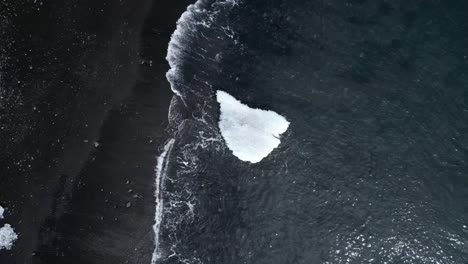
2, 210
7, 237
251, 134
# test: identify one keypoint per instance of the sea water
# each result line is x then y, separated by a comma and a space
370, 162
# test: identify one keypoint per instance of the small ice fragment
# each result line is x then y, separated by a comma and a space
96, 144
2, 210
7, 237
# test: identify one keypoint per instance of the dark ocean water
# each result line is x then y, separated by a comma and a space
373, 168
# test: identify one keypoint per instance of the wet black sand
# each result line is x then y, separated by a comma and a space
83, 113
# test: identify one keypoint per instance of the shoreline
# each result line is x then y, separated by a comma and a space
83, 192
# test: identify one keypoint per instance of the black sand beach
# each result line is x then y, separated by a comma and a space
83, 111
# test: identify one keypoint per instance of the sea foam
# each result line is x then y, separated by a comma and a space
174, 58
7, 237
175, 50
160, 175
251, 134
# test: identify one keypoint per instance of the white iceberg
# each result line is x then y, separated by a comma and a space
2, 210
7, 237
251, 134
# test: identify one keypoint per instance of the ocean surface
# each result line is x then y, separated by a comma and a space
373, 167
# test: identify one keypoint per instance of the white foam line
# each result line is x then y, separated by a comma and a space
175, 47
174, 55
160, 177
174, 50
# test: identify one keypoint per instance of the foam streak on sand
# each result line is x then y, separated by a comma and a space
160, 177
251, 134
